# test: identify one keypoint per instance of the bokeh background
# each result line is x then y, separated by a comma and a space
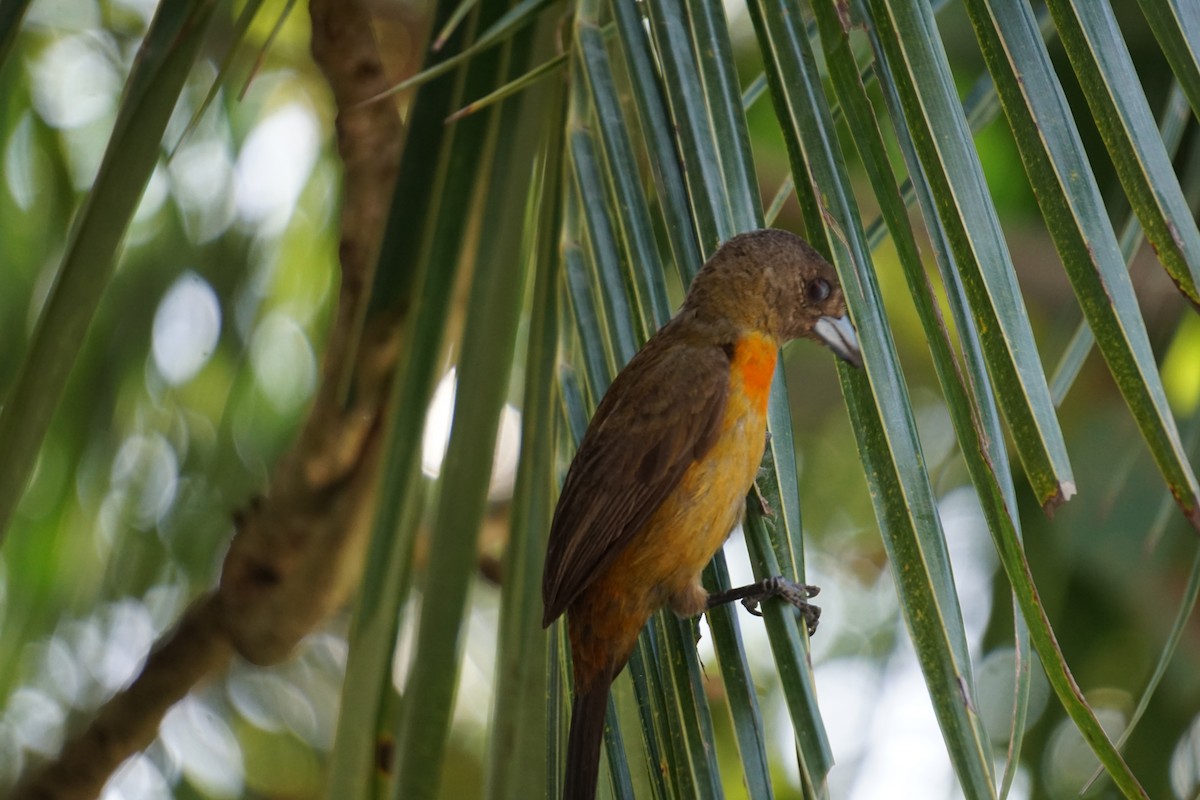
205, 353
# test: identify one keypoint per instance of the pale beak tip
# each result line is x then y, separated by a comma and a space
838, 335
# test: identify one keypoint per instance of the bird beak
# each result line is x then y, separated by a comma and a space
838, 334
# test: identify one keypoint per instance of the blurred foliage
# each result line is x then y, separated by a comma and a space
196, 370
203, 355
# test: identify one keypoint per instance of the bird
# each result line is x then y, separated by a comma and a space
661, 476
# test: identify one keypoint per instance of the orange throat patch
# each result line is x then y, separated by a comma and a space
754, 362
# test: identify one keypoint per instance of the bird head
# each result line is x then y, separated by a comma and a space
774, 282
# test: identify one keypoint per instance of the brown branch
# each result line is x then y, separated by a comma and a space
368, 138
128, 722
298, 549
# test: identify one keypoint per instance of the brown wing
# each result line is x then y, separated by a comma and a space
641, 440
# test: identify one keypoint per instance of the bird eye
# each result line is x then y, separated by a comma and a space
818, 291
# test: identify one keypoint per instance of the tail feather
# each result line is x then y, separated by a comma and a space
583, 744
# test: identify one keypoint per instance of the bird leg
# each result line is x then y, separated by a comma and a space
797, 594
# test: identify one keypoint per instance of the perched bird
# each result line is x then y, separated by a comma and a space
661, 476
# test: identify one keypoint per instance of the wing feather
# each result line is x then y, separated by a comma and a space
631, 458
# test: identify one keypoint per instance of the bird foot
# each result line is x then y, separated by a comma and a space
796, 594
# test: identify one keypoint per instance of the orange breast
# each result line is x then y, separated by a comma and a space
754, 362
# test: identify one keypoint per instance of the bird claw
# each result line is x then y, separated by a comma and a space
796, 594
812, 616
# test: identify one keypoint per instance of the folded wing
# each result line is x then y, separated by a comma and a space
639, 444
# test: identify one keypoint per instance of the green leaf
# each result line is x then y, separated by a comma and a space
660, 729
789, 644
1176, 25
880, 411
519, 84
1172, 123
236, 35
689, 115
1005, 535
622, 780
558, 706
1110, 83
1060, 172
626, 327
713, 54
689, 716
456, 161
657, 135
516, 758
164, 60
1187, 606
634, 232
501, 30
456, 17
739, 685
484, 368
583, 308
11, 14
912, 48
262, 51
981, 106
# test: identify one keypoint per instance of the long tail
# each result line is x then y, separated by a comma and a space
583, 744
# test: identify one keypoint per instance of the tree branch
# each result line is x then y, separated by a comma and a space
129, 721
297, 549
